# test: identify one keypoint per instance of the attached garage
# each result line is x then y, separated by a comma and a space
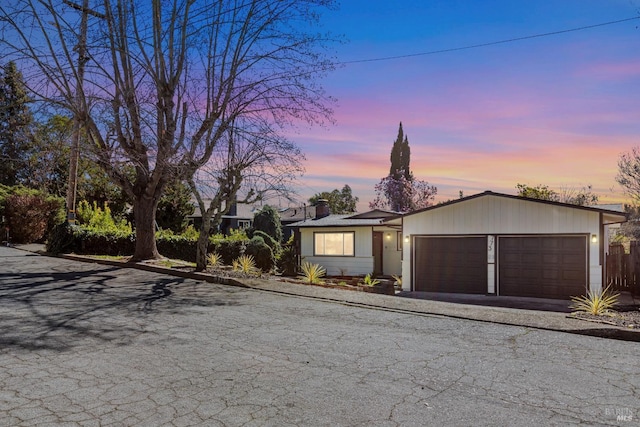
451, 264
542, 266
500, 244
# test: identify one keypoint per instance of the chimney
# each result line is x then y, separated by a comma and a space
322, 208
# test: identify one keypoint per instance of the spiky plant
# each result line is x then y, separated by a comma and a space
369, 280
312, 273
214, 260
598, 303
245, 264
398, 279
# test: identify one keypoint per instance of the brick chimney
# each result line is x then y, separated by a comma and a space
322, 208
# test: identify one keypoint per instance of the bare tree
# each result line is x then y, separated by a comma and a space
629, 173
164, 81
252, 164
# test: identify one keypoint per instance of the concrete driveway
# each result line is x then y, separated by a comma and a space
86, 344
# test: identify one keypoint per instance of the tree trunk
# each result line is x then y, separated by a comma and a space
144, 213
203, 241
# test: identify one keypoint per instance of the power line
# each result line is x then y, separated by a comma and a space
515, 39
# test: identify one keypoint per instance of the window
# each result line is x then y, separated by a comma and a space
243, 224
334, 244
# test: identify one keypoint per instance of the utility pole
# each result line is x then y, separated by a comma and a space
77, 121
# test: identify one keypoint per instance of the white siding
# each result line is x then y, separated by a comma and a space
391, 256
361, 263
494, 215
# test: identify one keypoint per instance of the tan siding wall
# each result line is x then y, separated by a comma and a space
500, 215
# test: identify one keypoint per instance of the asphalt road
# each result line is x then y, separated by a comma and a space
85, 344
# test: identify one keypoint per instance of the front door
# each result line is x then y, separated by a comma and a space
377, 253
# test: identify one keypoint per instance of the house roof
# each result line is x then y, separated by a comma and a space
243, 210
609, 216
298, 213
338, 221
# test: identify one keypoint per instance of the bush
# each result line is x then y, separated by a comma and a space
273, 244
30, 214
287, 261
99, 219
261, 253
61, 239
177, 247
103, 243
228, 249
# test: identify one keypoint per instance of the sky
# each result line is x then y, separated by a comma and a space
555, 110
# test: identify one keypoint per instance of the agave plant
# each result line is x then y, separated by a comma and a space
214, 259
245, 264
598, 303
369, 280
312, 273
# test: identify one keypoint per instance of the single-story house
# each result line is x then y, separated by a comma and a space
488, 243
351, 244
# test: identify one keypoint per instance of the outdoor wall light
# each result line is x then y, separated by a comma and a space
406, 239
388, 236
594, 238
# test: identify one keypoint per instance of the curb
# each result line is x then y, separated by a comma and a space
375, 301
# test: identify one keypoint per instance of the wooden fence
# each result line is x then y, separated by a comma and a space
623, 269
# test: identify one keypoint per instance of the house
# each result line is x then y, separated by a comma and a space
499, 244
239, 217
353, 244
488, 243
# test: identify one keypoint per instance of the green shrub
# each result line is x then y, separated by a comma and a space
229, 249
61, 239
96, 218
261, 253
287, 261
273, 244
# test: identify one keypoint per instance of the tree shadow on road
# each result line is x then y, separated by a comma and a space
62, 310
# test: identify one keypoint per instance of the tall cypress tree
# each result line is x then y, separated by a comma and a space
15, 119
401, 157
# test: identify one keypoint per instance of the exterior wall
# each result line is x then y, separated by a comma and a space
360, 264
391, 256
494, 215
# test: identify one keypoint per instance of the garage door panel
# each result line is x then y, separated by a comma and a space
558, 270
450, 264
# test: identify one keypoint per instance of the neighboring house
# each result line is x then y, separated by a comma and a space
239, 217
290, 216
353, 244
507, 245
489, 243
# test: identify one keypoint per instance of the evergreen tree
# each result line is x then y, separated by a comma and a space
401, 157
174, 207
267, 220
15, 120
399, 191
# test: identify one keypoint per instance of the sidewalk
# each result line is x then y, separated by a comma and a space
546, 320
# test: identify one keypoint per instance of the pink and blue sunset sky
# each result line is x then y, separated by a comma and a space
555, 110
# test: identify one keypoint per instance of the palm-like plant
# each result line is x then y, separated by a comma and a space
370, 281
312, 273
598, 303
245, 264
214, 259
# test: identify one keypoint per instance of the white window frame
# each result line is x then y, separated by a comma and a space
243, 224
345, 250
